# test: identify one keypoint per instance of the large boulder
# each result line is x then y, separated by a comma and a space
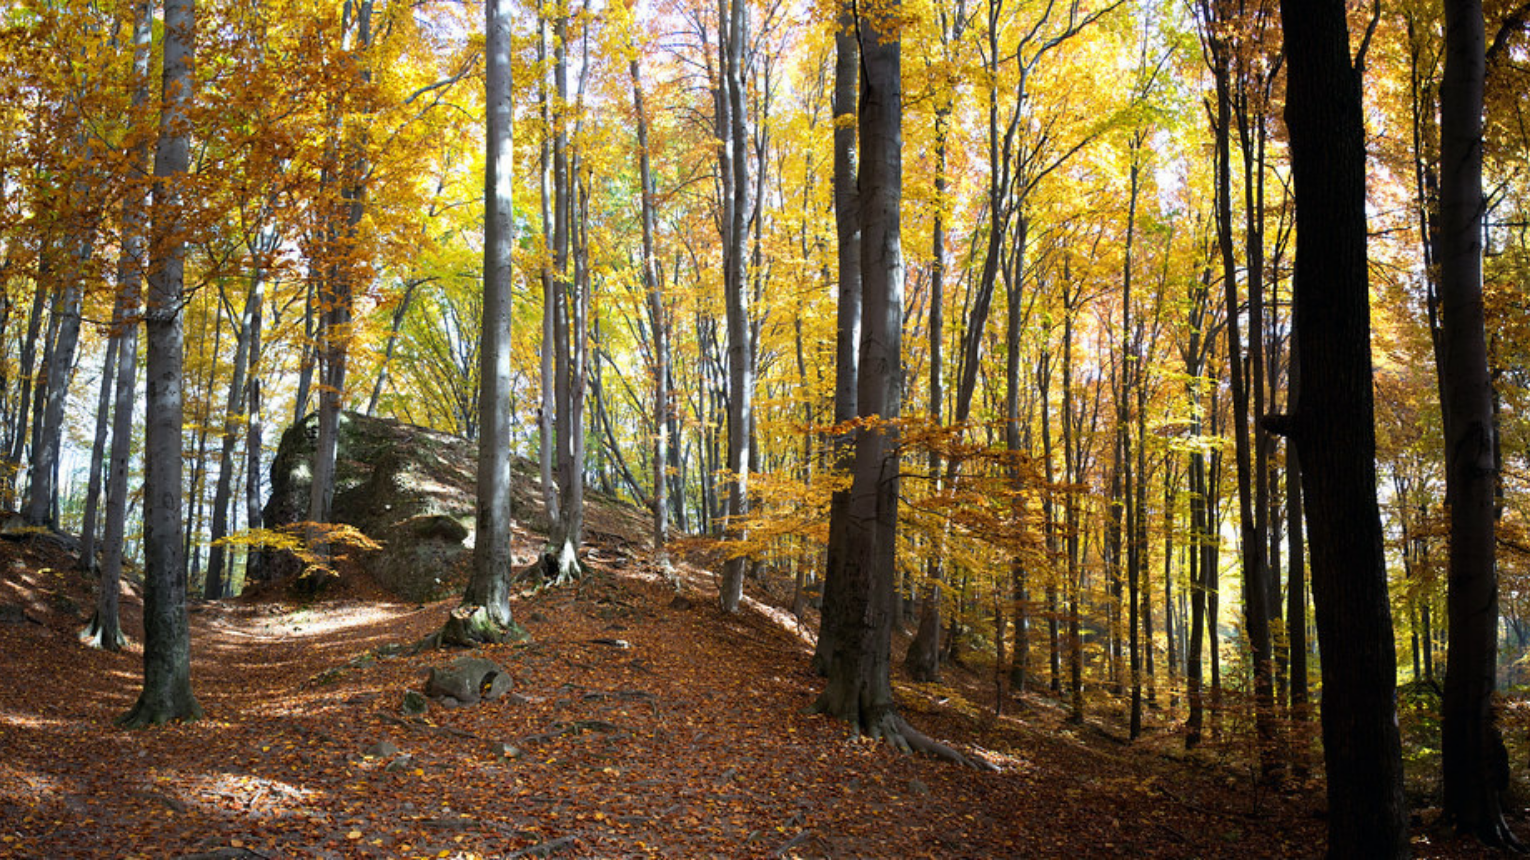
410, 489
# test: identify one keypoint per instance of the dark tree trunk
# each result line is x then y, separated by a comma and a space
848, 332
859, 688
1476, 766
1333, 430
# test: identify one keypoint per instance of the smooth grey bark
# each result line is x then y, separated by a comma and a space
547, 447
254, 429
1475, 762
569, 320
219, 571
400, 312
336, 295
1334, 432
658, 326
42, 493
105, 630
24, 400
489, 587
167, 693
859, 689
847, 223
922, 661
89, 523
732, 129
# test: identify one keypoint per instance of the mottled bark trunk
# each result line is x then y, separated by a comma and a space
489, 587
733, 130
859, 688
167, 693
105, 628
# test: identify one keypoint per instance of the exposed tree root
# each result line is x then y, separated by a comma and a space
889, 726
921, 742
563, 567
95, 635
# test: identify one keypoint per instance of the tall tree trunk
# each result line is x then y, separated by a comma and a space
923, 657
88, 524
1333, 430
486, 605
219, 571
548, 175
1296, 564
847, 336
24, 400
336, 295
733, 129
167, 694
104, 629
658, 324
1475, 763
859, 688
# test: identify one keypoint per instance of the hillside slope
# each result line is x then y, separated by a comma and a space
642, 724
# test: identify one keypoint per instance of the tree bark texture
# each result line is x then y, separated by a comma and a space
1335, 437
167, 693
859, 688
1476, 767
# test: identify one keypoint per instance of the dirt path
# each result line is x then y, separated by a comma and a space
680, 735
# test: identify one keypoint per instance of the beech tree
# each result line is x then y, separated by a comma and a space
1475, 763
1332, 427
485, 614
167, 693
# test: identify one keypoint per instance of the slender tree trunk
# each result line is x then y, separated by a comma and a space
219, 572
98, 452
658, 324
104, 629
732, 127
1476, 766
848, 331
547, 176
167, 691
1296, 582
336, 296
485, 610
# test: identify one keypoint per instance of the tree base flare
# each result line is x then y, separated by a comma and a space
146, 713
97, 635
470, 626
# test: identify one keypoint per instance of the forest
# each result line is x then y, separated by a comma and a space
1162, 361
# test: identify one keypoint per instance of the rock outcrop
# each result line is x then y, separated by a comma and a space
408, 488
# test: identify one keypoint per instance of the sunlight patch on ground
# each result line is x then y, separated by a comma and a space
32, 721
29, 784
246, 792
782, 619
312, 622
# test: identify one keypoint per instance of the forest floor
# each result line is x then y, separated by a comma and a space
642, 725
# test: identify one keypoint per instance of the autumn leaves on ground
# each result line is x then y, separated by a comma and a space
641, 723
